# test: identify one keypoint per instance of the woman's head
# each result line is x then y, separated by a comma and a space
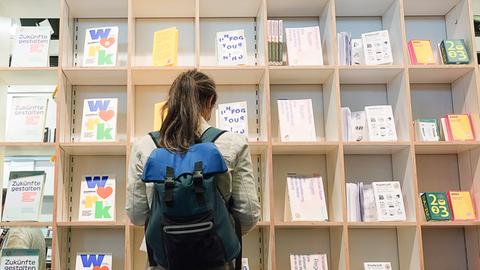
191, 97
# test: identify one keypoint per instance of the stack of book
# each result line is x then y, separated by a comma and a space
454, 127
450, 51
375, 123
372, 48
452, 205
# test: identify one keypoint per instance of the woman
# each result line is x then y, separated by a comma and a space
191, 100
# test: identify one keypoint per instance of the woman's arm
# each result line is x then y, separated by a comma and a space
137, 203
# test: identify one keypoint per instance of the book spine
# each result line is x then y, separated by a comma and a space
449, 197
426, 208
443, 52
280, 42
411, 52
269, 36
449, 128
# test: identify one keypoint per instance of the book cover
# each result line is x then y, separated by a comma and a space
165, 47
461, 205
436, 206
233, 117
97, 198
454, 52
358, 57
24, 197
309, 262
304, 46
101, 46
99, 120
380, 123
367, 202
346, 115
26, 119
357, 129
231, 48
421, 52
19, 259
377, 48
31, 46
389, 201
93, 261
296, 121
159, 114
377, 266
459, 127
305, 199
426, 130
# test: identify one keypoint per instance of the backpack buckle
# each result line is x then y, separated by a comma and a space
169, 185
198, 181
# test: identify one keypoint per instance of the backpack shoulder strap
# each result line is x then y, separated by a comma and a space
155, 135
211, 135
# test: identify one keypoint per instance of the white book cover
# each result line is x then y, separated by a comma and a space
353, 202
426, 131
233, 117
377, 266
377, 48
31, 46
18, 259
245, 265
389, 201
367, 203
304, 46
24, 197
231, 48
5, 26
93, 261
358, 56
357, 128
97, 198
306, 199
380, 123
26, 119
296, 120
99, 121
101, 46
309, 262
346, 115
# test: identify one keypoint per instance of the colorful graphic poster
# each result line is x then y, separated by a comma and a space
101, 45
97, 198
99, 121
93, 261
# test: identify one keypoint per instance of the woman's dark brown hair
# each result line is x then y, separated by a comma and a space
191, 94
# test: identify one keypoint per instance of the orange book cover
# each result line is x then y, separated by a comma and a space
459, 127
461, 205
421, 52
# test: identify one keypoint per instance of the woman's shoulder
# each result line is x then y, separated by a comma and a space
230, 143
143, 144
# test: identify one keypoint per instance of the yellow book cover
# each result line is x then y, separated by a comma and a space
460, 127
165, 47
461, 205
158, 117
422, 52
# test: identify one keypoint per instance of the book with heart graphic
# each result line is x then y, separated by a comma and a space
101, 46
97, 198
99, 121
93, 261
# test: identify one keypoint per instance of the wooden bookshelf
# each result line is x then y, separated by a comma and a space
413, 92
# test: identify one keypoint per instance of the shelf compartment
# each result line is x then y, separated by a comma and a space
96, 75
300, 74
369, 74
156, 75
95, 9
28, 76
329, 241
429, 7
438, 73
363, 8
305, 148
374, 148
219, 8
444, 147
87, 148
235, 75
303, 8
27, 149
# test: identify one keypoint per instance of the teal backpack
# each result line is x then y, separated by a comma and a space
189, 226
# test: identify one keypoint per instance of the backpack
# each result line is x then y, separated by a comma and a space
189, 225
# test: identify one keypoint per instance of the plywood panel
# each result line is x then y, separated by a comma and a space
444, 249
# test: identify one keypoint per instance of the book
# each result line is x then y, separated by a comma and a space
231, 48
159, 114
377, 266
245, 265
353, 202
233, 117
380, 123
13, 258
377, 48
304, 46
459, 127
426, 130
281, 43
101, 46
270, 41
461, 205
5, 26
97, 198
444, 131
93, 261
344, 48
358, 57
30, 48
305, 199
24, 197
309, 262
165, 47
26, 119
346, 115
357, 129
368, 208
296, 121
99, 120
454, 52
421, 52
389, 201
436, 206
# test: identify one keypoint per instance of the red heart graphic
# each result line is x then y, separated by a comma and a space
104, 192
101, 268
106, 115
107, 42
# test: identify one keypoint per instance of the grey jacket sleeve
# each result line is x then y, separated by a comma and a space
137, 202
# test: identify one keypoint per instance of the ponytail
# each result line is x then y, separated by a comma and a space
190, 95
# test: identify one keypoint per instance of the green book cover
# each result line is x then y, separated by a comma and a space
435, 206
454, 52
